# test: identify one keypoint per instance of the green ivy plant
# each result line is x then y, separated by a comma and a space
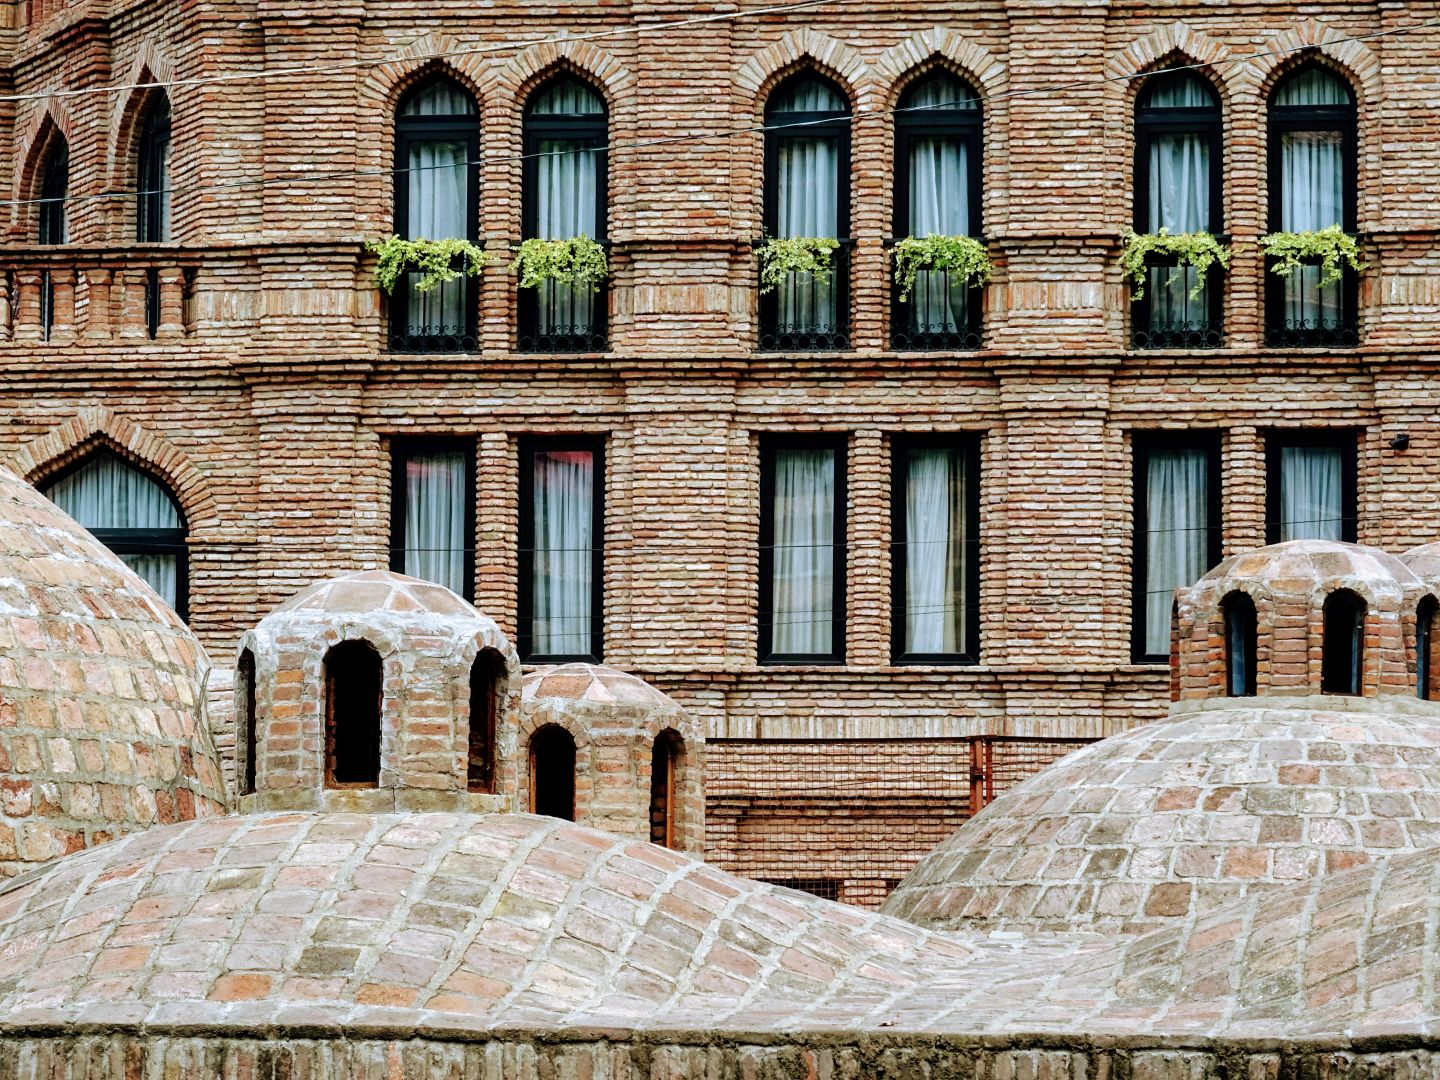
1334, 247
962, 257
783, 256
434, 260
1198, 249
576, 261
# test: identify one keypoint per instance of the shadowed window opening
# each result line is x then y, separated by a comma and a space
552, 773
485, 677
1343, 643
245, 673
1241, 661
666, 759
353, 688
1424, 642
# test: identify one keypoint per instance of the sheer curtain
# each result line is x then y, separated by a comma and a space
1179, 201
1312, 500
803, 589
567, 181
1312, 183
563, 559
436, 500
936, 506
1176, 535
939, 203
807, 204
438, 206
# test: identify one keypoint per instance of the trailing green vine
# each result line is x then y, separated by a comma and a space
434, 260
1200, 250
783, 256
962, 257
576, 261
1334, 247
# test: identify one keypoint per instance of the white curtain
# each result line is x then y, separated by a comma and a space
438, 210
939, 206
803, 587
1179, 201
1176, 535
435, 510
1312, 504
1312, 185
807, 203
567, 178
935, 557
563, 558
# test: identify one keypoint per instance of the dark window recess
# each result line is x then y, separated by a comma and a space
152, 303
486, 675
245, 675
1242, 662
152, 175
552, 773
1424, 644
665, 758
54, 186
1343, 644
353, 694
825, 888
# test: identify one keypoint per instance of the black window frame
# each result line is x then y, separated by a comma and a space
413, 129
156, 131
53, 190
592, 131
402, 448
969, 444
1142, 444
1281, 119
770, 445
1347, 440
527, 447
1149, 122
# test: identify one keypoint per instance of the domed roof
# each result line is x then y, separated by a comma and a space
592, 684
1176, 818
1424, 563
102, 717
372, 591
1297, 568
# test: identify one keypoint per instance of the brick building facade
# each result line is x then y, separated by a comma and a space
223, 335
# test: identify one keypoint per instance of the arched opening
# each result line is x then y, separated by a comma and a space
246, 734
1241, 648
152, 174
666, 761
54, 186
354, 686
486, 675
1343, 643
1424, 643
552, 772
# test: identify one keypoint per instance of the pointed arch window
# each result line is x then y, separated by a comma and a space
1241, 645
54, 187
938, 168
807, 194
133, 515
552, 772
1312, 165
354, 685
1343, 643
565, 196
152, 175
1178, 189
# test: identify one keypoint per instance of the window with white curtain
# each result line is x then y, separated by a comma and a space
1177, 172
132, 515
152, 174
1312, 486
565, 195
561, 537
801, 538
436, 166
433, 512
1312, 187
936, 538
807, 193
937, 193
1177, 528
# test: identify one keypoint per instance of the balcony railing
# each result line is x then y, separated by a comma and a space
1300, 313
806, 315
440, 321
564, 319
1168, 316
939, 315
60, 294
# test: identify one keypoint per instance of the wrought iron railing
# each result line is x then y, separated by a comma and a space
937, 316
1168, 317
804, 314
442, 320
564, 319
1302, 314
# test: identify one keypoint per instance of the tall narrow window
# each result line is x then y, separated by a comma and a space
353, 693
1311, 486
807, 194
486, 675
561, 541
1177, 188
1177, 529
1241, 645
937, 193
152, 175
1312, 187
436, 170
936, 544
1342, 648
132, 515
552, 773
1424, 644
802, 596
433, 512
54, 187
665, 759
246, 736
564, 198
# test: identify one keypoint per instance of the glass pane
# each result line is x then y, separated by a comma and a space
106, 493
436, 501
440, 98
1312, 180
1172, 309
160, 572
1178, 91
941, 91
936, 507
1177, 532
563, 558
1310, 305
803, 587
1179, 183
808, 95
1312, 500
939, 187
569, 97
1314, 86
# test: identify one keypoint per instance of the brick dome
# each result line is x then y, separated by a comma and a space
1424, 563
102, 688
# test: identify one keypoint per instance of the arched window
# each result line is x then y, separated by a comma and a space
1177, 188
666, 758
565, 197
132, 515
354, 688
54, 186
552, 772
152, 175
807, 194
1343, 645
245, 728
486, 675
1424, 644
1241, 649
1312, 187
937, 193
437, 165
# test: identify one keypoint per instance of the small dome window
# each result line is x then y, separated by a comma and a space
485, 678
665, 763
1343, 643
245, 676
552, 773
1424, 644
353, 689
1241, 651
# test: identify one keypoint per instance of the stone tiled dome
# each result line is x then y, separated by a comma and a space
593, 684
102, 687
1298, 568
1424, 563
375, 591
